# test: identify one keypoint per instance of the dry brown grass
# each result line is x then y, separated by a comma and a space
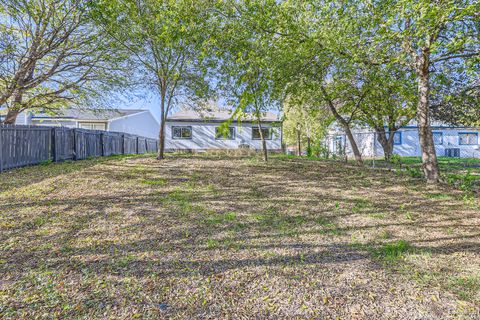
231, 238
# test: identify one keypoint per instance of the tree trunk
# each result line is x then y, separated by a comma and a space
429, 156
299, 143
353, 144
346, 127
309, 147
386, 143
11, 116
264, 143
161, 135
15, 108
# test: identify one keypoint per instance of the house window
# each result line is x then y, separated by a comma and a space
468, 138
267, 133
220, 134
183, 132
92, 126
438, 138
397, 138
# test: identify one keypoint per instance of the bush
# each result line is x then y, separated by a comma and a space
414, 172
396, 160
320, 151
309, 151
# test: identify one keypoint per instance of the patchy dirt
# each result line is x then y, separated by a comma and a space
234, 238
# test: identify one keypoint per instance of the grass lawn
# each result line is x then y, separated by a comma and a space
214, 238
447, 165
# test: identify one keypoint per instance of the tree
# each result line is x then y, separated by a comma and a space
457, 101
329, 85
168, 42
245, 66
51, 55
424, 35
390, 104
307, 59
304, 124
417, 35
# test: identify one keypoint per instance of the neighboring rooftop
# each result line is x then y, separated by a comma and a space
217, 116
86, 114
93, 114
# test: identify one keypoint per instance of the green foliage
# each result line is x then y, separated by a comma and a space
167, 43
46, 162
414, 172
310, 122
465, 287
309, 151
466, 182
53, 56
396, 160
245, 67
392, 252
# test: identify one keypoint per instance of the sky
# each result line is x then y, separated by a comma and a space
149, 102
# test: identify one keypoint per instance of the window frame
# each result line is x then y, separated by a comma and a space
222, 137
396, 133
92, 125
270, 133
182, 138
467, 133
441, 137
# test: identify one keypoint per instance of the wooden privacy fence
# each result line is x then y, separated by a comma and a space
29, 145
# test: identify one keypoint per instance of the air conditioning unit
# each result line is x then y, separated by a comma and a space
452, 152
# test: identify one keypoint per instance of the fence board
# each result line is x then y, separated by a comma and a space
141, 145
24, 145
130, 144
88, 144
152, 146
63, 145
112, 143
29, 145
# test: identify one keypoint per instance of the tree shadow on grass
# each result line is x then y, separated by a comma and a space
20, 177
165, 230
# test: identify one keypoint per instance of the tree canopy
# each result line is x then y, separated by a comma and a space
51, 55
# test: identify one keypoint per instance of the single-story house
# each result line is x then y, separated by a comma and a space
449, 141
195, 131
133, 121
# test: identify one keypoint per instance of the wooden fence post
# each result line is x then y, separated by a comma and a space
53, 146
75, 151
123, 144
102, 144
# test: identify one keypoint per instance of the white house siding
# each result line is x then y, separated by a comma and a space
55, 123
203, 137
23, 119
410, 145
142, 124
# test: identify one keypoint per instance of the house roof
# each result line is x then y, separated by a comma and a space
217, 116
97, 114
